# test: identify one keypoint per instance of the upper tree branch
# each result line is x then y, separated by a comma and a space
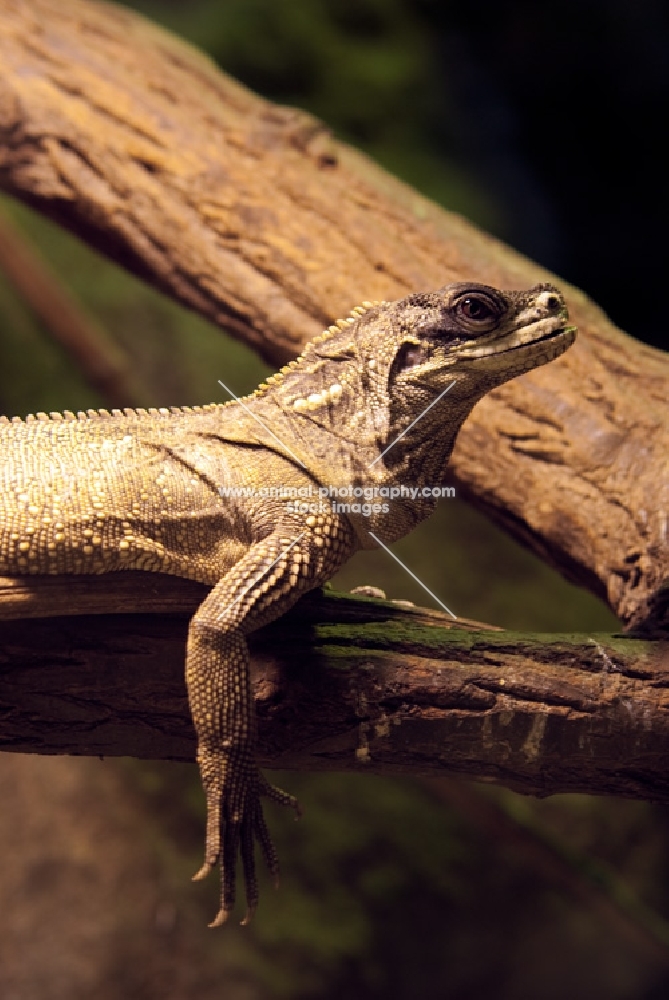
253, 215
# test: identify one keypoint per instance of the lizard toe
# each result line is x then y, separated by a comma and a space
247, 848
278, 795
267, 847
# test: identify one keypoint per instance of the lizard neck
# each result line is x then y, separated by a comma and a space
340, 455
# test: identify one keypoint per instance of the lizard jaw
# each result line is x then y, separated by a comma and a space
564, 336
553, 331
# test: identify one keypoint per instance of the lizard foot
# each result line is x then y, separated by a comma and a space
233, 786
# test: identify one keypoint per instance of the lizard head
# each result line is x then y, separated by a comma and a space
370, 377
384, 353
477, 335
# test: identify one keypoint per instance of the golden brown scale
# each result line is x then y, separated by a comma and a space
376, 400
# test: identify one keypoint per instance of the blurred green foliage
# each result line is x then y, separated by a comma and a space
178, 356
387, 892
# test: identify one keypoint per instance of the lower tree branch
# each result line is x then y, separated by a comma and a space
340, 684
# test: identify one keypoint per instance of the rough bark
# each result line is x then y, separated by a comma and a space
342, 684
255, 217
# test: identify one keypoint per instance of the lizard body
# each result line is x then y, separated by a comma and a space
376, 400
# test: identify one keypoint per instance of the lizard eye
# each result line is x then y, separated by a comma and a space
477, 311
473, 307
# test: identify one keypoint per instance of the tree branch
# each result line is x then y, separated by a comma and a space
104, 365
340, 684
254, 216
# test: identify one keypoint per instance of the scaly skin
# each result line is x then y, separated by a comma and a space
139, 490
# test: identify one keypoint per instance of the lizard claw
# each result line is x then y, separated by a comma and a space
221, 918
235, 823
202, 872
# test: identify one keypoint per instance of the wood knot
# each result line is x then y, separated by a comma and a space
302, 132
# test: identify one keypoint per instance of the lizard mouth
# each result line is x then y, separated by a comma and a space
554, 333
520, 351
563, 332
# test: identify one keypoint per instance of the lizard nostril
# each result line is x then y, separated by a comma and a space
552, 302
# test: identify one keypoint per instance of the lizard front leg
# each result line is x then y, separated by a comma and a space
268, 580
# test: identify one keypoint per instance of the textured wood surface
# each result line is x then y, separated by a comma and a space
343, 684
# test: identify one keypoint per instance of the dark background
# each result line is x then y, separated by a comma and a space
544, 123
